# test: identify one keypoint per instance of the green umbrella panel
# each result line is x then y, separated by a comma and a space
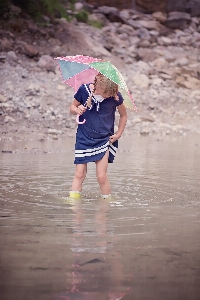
111, 72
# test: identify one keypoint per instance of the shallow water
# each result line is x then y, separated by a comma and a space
142, 244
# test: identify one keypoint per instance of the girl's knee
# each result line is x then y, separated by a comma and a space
102, 178
80, 174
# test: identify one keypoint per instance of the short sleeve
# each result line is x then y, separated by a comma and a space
80, 94
121, 99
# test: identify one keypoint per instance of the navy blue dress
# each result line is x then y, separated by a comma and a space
92, 137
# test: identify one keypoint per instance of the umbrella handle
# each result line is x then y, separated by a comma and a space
77, 120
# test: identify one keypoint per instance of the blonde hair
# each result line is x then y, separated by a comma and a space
109, 88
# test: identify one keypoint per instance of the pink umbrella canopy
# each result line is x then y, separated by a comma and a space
80, 69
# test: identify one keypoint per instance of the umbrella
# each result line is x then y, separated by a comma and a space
80, 69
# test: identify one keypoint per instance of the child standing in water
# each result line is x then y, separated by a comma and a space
95, 139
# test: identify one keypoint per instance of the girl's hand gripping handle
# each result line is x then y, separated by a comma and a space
77, 120
80, 110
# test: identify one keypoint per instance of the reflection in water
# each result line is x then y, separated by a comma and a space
143, 245
94, 274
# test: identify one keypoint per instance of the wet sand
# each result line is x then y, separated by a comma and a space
142, 244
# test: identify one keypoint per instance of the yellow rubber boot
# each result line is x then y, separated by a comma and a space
74, 194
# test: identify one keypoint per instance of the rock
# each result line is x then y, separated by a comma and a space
98, 17
134, 24
150, 6
154, 94
145, 44
191, 83
5, 44
6, 105
133, 40
124, 13
115, 17
112, 13
180, 80
2, 98
157, 81
191, 6
8, 119
160, 63
147, 118
131, 53
48, 63
141, 80
2, 58
52, 131
97, 49
143, 33
145, 131
33, 89
186, 40
78, 6
146, 55
143, 65
54, 42
136, 120
106, 10
166, 41
6, 151
15, 9
46, 19
178, 20
195, 93
124, 28
30, 50
165, 76
159, 16
183, 61
150, 24
12, 55
61, 87
168, 57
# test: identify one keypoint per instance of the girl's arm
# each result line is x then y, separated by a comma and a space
122, 123
76, 108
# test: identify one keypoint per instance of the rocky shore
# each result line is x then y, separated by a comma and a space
158, 55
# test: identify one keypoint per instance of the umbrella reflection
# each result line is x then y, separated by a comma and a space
96, 269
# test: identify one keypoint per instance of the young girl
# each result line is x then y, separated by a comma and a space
95, 139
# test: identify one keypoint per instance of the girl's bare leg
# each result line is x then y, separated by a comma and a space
80, 173
102, 176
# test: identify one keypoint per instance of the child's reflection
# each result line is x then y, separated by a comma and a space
97, 271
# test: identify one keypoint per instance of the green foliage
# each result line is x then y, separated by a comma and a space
51, 8
96, 24
32, 8
72, 4
37, 8
82, 16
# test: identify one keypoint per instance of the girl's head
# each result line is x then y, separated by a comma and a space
107, 87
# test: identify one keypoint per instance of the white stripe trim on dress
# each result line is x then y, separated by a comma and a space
93, 149
94, 99
113, 147
87, 89
111, 151
91, 153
